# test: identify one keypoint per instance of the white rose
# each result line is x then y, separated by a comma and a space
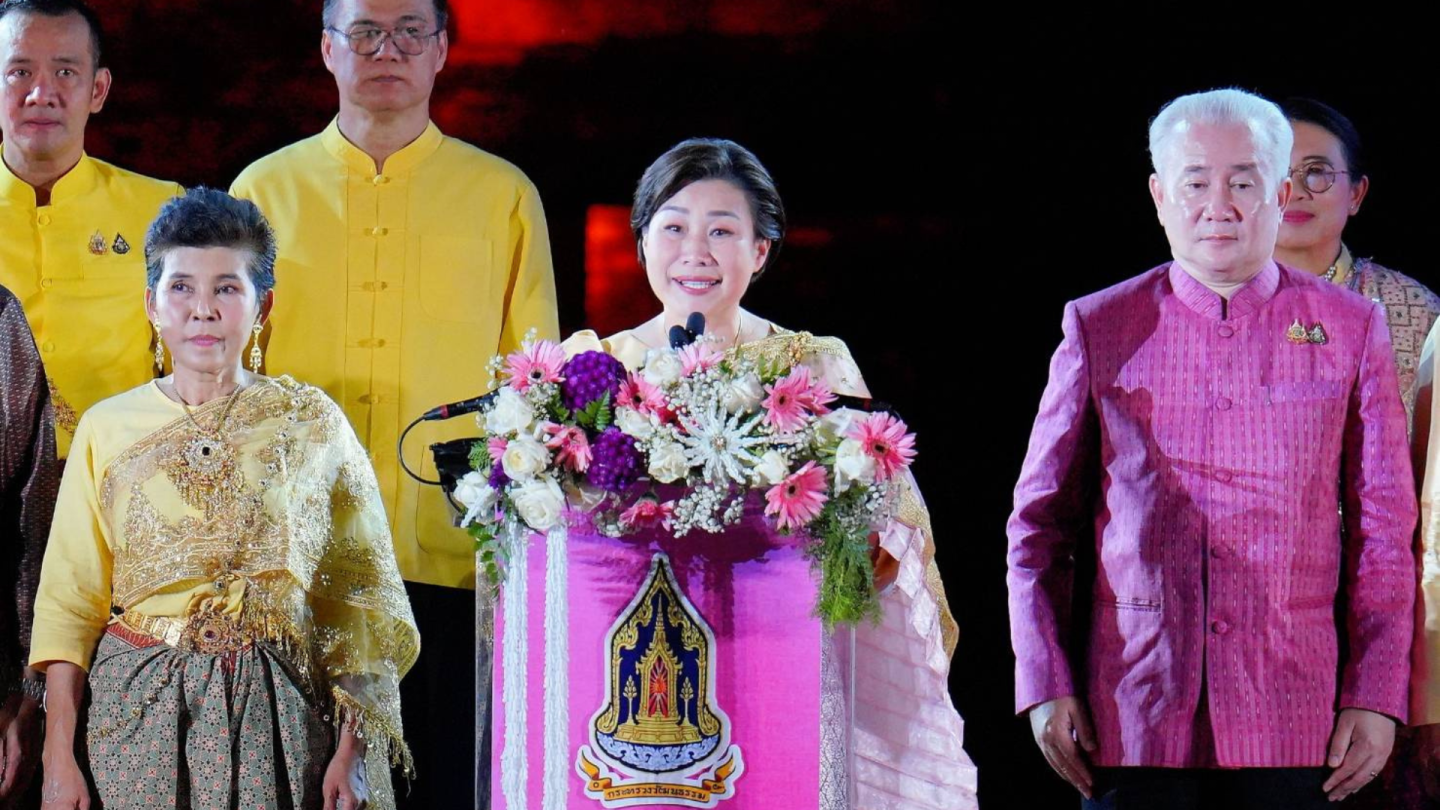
744, 394
539, 502
473, 489
511, 414
477, 496
772, 469
835, 425
634, 423
852, 465
524, 458
662, 366
667, 462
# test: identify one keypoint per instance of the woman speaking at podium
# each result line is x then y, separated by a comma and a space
708, 221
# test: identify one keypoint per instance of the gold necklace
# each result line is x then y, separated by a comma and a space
206, 472
219, 423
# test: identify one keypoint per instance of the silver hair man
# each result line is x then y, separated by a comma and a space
1267, 124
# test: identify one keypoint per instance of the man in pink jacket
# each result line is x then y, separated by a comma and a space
1222, 447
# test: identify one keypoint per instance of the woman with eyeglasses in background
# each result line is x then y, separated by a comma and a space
1328, 170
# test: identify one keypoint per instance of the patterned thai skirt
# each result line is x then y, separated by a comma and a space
223, 726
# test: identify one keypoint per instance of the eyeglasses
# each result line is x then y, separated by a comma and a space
1317, 178
410, 40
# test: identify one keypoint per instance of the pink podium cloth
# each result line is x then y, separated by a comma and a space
753, 589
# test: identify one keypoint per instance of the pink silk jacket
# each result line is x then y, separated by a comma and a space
1195, 457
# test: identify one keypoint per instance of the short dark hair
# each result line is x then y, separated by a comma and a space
710, 159
60, 8
442, 13
206, 218
1311, 111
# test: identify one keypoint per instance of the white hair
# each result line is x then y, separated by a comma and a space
1267, 124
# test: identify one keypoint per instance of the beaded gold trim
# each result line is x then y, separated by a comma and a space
65, 416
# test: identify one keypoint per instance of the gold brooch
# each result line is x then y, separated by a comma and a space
97, 244
204, 467
213, 633
1300, 336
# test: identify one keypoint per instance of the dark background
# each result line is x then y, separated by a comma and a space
951, 180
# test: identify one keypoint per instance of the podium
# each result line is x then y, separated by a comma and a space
647, 670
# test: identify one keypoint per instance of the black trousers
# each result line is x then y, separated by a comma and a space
1209, 789
437, 701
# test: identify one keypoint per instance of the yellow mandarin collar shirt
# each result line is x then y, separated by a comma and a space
78, 267
399, 164
393, 291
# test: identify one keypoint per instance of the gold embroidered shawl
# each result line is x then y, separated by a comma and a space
295, 527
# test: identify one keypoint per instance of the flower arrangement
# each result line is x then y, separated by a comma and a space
716, 425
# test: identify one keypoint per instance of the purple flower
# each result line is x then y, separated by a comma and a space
617, 462
498, 478
589, 376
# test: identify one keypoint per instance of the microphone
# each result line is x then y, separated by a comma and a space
695, 325
462, 407
678, 338
682, 336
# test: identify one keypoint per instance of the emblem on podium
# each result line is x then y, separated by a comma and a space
661, 735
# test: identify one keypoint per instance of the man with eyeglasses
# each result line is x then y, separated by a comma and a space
409, 258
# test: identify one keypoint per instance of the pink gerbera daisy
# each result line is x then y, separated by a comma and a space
698, 356
785, 408
572, 449
496, 447
536, 362
818, 398
644, 397
797, 500
884, 439
647, 512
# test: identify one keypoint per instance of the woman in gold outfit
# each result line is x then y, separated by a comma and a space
220, 536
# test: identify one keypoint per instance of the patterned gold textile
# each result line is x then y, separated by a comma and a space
267, 521
1410, 310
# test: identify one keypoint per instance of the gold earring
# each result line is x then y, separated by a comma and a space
256, 356
159, 349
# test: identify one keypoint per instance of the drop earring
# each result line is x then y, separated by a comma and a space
256, 356
159, 349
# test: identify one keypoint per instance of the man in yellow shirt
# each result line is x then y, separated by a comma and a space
72, 228
406, 260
